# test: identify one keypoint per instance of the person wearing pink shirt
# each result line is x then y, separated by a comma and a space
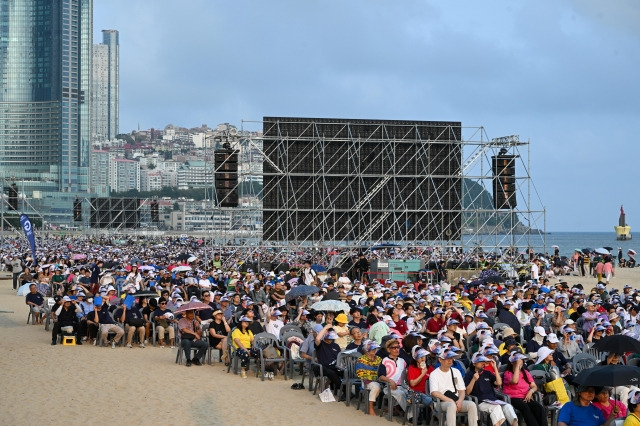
520, 386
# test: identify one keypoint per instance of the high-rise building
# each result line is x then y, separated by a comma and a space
45, 72
106, 87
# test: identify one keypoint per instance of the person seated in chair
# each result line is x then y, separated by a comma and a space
327, 351
367, 371
133, 321
218, 331
480, 383
163, 318
101, 316
581, 412
191, 337
35, 301
65, 316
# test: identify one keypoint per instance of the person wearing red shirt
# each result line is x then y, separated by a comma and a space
435, 323
417, 376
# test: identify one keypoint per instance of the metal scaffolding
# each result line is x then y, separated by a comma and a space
329, 184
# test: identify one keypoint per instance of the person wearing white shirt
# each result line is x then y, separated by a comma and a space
274, 323
447, 384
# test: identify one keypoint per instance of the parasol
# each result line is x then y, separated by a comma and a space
330, 306
602, 250
182, 269
192, 306
300, 291
617, 343
609, 375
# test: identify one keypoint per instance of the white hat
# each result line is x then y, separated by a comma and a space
543, 352
539, 330
552, 338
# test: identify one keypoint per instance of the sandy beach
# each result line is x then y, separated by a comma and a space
86, 384
90, 385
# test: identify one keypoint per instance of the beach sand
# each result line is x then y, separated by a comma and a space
89, 385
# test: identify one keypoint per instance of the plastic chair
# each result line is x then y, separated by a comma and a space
321, 379
233, 359
31, 316
347, 362
301, 361
47, 322
122, 339
634, 362
154, 332
261, 341
583, 361
288, 328
441, 415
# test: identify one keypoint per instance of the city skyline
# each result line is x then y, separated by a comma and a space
561, 75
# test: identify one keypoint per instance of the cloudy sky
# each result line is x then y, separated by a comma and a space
563, 75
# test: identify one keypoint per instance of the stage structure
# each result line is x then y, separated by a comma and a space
361, 181
356, 183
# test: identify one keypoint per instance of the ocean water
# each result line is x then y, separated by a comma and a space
566, 241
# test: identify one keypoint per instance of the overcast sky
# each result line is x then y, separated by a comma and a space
562, 74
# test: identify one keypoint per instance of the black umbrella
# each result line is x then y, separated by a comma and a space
494, 279
587, 250
301, 290
335, 271
145, 293
608, 248
618, 343
609, 375
183, 256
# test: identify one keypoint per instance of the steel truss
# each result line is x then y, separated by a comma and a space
397, 184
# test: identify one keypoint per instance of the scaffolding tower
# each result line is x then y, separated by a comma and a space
332, 183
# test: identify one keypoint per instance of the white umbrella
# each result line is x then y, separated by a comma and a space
631, 252
602, 250
147, 268
192, 259
555, 247
182, 268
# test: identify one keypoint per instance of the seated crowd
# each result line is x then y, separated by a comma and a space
493, 350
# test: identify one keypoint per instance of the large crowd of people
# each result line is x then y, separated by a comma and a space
497, 348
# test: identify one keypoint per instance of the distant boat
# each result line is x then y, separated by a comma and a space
623, 231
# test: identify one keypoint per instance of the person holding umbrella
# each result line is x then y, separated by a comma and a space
605, 403
581, 412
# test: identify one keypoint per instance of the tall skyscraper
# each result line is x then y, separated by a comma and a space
45, 72
106, 87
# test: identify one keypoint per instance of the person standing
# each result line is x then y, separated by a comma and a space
16, 268
309, 275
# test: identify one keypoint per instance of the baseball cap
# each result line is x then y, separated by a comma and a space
539, 330
420, 353
244, 318
552, 338
452, 321
371, 345
332, 335
66, 299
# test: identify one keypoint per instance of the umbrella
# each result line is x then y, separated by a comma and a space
631, 252
318, 268
335, 271
494, 279
183, 256
192, 259
555, 247
602, 250
618, 343
587, 250
79, 256
145, 293
294, 281
182, 268
609, 375
608, 248
192, 306
146, 268
299, 291
330, 306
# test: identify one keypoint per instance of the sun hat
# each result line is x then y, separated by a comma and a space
217, 312
447, 355
371, 345
515, 356
543, 352
342, 318
244, 318
420, 353
479, 357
